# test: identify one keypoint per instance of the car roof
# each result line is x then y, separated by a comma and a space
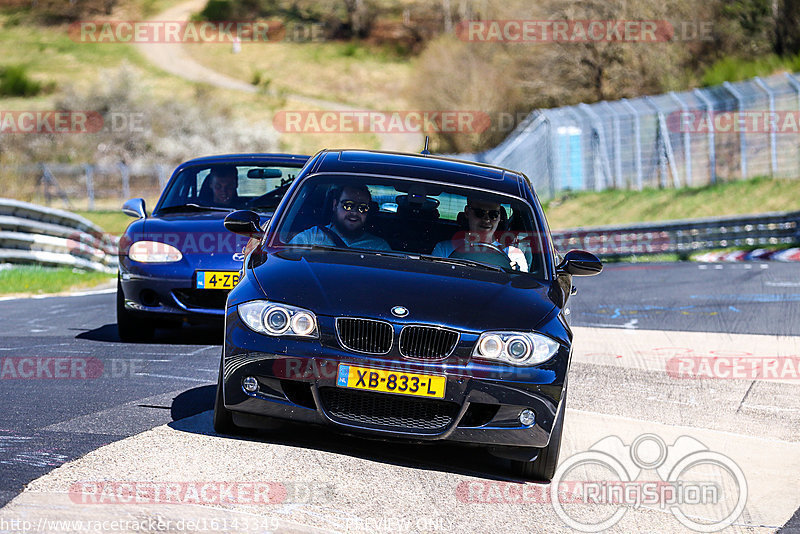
428, 167
270, 159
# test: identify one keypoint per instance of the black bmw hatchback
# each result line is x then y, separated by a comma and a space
404, 296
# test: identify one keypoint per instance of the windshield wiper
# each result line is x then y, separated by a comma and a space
461, 261
192, 207
349, 249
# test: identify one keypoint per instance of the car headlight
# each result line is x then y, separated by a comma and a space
275, 319
154, 252
516, 348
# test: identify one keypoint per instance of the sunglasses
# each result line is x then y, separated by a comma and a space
348, 205
481, 213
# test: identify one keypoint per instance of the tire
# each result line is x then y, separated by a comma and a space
223, 418
129, 327
544, 466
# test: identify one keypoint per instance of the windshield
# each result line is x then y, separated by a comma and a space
228, 186
431, 221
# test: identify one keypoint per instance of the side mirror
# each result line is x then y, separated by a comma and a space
244, 222
135, 208
580, 263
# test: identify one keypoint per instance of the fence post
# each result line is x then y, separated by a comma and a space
89, 171
617, 145
637, 142
712, 142
773, 141
602, 147
45, 184
687, 140
549, 155
796, 85
742, 125
125, 173
667, 158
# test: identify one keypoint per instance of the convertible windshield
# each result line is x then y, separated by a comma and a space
426, 220
228, 186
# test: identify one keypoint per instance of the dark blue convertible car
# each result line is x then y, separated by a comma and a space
404, 297
180, 263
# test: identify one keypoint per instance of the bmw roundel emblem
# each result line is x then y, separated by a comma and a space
399, 311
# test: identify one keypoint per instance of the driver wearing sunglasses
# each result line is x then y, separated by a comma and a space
483, 217
350, 210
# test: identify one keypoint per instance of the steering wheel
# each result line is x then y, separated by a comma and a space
482, 252
270, 199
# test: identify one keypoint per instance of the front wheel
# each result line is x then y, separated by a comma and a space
544, 466
129, 327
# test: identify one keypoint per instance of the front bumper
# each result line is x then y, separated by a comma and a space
297, 380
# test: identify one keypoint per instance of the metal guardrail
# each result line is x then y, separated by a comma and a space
35, 234
47, 236
685, 236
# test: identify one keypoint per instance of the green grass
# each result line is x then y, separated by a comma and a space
111, 221
39, 280
374, 77
758, 195
733, 69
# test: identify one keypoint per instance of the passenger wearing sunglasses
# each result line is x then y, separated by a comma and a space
483, 217
350, 210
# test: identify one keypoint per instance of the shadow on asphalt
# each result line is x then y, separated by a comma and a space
183, 335
439, 456
192, 402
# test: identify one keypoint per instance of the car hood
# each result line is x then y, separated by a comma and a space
201, 237
346, 283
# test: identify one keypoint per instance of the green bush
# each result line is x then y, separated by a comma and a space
217, 10
14, 81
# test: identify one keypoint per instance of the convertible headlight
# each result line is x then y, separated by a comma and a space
275, 319
154, 252
516, 348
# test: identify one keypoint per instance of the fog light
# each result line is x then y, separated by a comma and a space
250, 384
527, 417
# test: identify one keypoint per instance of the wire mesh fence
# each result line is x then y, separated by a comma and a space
692, 138
85, 186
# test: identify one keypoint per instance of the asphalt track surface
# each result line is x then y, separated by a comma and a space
141, 412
